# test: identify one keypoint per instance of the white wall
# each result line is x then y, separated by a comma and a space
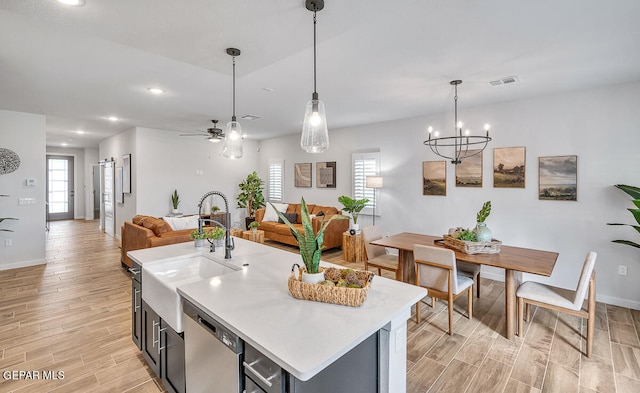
28, 237
600, 126
162, 161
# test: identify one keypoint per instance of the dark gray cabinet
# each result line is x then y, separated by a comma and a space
355, 372
136, 304
163, 349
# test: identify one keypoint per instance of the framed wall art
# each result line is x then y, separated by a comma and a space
118, 191
434, 178
302, 174
469, 171
126, 174
509, 167
326, 174
558, 178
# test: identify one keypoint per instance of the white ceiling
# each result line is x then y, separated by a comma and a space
377, 60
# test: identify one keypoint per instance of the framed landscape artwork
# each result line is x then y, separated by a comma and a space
508, 167
302, 174
558, 178
434, 178
326, 174
469, 171
126, 174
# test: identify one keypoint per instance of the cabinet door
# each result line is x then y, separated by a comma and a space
172, 359
136, 313
151, 337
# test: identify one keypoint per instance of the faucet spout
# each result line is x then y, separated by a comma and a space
229, 244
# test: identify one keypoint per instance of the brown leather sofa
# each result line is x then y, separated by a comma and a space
280, 232
145, 232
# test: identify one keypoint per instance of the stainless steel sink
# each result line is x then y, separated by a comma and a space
161, 278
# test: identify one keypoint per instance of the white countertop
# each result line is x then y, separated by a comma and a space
301, 336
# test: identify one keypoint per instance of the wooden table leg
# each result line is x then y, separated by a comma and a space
512, 279
407, 266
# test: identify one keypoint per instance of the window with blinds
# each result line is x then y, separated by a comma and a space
276, 180
365, 164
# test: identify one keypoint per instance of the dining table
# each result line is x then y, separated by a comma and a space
514, 261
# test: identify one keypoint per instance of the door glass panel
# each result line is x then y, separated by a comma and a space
58, 185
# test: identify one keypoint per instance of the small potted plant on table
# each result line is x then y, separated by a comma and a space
253, 225
353, 207
175, 201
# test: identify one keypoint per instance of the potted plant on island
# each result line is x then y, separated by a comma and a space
634, 192
175, 201
250, 196
310, 244
353, 207
217, 234
200, 238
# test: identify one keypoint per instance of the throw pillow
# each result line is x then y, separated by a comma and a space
271, 215
292, 217
320, 213
179, 223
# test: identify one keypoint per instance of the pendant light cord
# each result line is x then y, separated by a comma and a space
233, 118
314, 54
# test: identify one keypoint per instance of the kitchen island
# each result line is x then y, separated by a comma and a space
302, 337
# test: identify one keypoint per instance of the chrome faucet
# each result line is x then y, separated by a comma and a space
229, 244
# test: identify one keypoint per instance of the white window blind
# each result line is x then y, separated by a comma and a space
276, 180
365, 164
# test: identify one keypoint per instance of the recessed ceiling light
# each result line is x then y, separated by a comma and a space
267, 89
155, 90
75, 3
80, 132
63, 144
112, 118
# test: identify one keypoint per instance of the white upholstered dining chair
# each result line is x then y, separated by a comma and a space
436, 270
377, 256
471, 270
570, 302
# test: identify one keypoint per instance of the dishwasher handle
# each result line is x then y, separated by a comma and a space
207, 325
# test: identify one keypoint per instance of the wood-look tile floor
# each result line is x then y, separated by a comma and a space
73, 315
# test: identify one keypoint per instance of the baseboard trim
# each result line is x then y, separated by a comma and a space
16, 265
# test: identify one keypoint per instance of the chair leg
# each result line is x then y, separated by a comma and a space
528, 312
433, 302
379, 272
478, 285
520, 315
450, 316
470, 299
591, 314
418, 312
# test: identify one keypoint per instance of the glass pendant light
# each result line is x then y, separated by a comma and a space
233, 133
315, 136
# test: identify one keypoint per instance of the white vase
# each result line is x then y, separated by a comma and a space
175, 211
483, 234
313, 278
355, 227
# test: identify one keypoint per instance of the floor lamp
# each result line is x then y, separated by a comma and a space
374, 182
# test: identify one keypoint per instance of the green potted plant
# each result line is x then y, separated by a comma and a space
634, 192
175, 201
253, 225
217, 234
310, 244
353, 207
250, 196
214, 209
200, 238
483, 234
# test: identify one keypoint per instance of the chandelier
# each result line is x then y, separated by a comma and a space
464, 144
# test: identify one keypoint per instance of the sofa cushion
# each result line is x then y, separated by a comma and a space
326, 210
270, 213
178, 223
292, 217
283, 229
138, 220
157, 225
295, 208
269, 226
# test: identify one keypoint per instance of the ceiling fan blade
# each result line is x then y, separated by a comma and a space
198, 134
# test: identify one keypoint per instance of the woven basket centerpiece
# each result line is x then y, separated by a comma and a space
348, 295
468, 247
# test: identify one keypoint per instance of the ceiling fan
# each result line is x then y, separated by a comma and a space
213, 134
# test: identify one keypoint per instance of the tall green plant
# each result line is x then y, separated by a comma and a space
634, 192
175, 199
310, 245
353, 206
250, 196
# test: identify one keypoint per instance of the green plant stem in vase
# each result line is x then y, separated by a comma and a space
483, 234
310, 244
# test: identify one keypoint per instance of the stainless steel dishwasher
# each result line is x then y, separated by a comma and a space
212, 354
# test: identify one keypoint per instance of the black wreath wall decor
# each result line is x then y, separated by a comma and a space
9, 161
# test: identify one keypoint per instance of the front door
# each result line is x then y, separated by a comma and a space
60, 192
